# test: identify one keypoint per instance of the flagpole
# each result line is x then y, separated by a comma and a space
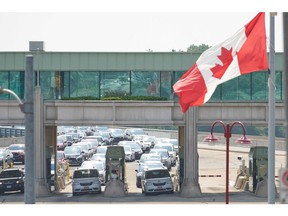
271, 123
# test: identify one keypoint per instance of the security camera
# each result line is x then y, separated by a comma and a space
239, 157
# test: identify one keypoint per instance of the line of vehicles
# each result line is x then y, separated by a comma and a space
155, 157
86, 148
12, 178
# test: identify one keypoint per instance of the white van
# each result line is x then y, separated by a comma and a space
86, 180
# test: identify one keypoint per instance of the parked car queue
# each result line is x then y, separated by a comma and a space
78, 150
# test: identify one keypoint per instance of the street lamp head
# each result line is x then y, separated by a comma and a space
210, 138
244, 140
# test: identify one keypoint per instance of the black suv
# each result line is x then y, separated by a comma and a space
11, 180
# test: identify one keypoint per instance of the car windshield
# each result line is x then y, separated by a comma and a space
101, 150
127, 148
161, 153
138, 132
72, 150
157, 174
98, 166
150, 157
148, 139
98, 157
86, 173
82, 146
134, 146
150, 165
117, 131
17, 147
168, 147
10, 174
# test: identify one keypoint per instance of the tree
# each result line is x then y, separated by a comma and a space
198, 48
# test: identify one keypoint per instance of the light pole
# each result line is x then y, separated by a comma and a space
28, 109
227, 135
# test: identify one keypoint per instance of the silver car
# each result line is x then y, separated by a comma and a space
156, 180
86, 180
97, 164
165, 157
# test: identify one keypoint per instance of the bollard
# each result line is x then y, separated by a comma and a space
68, 172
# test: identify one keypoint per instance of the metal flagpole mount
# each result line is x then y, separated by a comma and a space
283, 177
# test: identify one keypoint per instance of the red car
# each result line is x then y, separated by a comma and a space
18, 151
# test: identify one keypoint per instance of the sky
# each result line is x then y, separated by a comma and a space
124, 27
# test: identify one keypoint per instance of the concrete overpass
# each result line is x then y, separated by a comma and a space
49, 114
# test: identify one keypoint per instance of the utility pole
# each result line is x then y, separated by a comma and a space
29, 184
271, 123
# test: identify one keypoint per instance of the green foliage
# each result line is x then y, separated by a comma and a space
115, 93
145, 98
81, 98
198, 48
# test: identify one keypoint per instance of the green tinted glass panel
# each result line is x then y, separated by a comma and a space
47, 84
145, 83
217, 94
66, 84
84, 84
113, 84
229, 90
166, 84
259, 86
17, 83
4, 83
244, 87
278, 83
238, 88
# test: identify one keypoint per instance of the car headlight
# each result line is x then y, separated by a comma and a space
149, 184
1, 183
19, 181
75, 183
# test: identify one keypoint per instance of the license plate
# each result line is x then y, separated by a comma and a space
8, 186
86, 188
159, 187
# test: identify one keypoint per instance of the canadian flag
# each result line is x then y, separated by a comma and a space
243, 53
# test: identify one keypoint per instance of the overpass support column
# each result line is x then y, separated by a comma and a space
190, 186
50, 148
41, 187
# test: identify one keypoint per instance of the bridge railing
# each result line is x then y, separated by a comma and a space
11, 132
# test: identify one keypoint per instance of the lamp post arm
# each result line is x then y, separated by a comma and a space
239, 123
21, 104
218, 122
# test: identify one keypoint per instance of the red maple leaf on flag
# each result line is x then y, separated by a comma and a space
226, 59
